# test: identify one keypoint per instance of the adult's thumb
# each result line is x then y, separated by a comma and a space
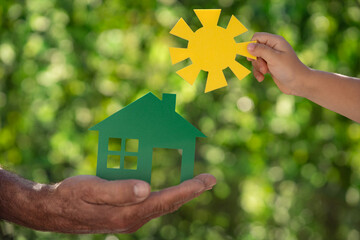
120, 192
261, 50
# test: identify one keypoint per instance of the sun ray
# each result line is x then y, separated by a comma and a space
215, 80
235, 27
241, 49
208, 17
189, 73
239, 70
178, 54
182, 30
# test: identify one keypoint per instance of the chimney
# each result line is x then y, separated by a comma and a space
169, 100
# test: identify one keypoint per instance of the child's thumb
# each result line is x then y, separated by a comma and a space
261, 50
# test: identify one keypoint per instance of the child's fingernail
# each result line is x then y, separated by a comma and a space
251, 46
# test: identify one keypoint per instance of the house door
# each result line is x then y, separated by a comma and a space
166, 168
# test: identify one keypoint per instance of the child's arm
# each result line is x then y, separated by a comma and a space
333, 91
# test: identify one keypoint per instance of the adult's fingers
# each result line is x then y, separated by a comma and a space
170, 199
117, 193
143, 221
162, 202
167, 200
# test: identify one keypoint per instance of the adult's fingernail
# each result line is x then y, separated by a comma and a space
210, 187
141, 190
251, 46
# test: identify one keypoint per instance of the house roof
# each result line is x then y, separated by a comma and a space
149, 116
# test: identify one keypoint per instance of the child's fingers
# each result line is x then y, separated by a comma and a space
271, 40
258, 75
250, 59
255, 66
261, 65
264, 51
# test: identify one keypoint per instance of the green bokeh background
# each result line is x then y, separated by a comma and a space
286, 168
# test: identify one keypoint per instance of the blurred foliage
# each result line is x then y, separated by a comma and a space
286, 168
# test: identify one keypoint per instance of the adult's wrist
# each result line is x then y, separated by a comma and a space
21, 201
37, 214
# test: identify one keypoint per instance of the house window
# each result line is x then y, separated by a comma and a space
113, 161
132, 145
123, 153
114, 144
130, 162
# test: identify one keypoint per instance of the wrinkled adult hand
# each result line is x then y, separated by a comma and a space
88, 204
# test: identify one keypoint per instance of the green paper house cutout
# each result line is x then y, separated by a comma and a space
133, 133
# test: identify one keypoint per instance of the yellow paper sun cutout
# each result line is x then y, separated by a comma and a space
211, 48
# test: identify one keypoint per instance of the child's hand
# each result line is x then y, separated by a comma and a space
336, 92
276, 56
